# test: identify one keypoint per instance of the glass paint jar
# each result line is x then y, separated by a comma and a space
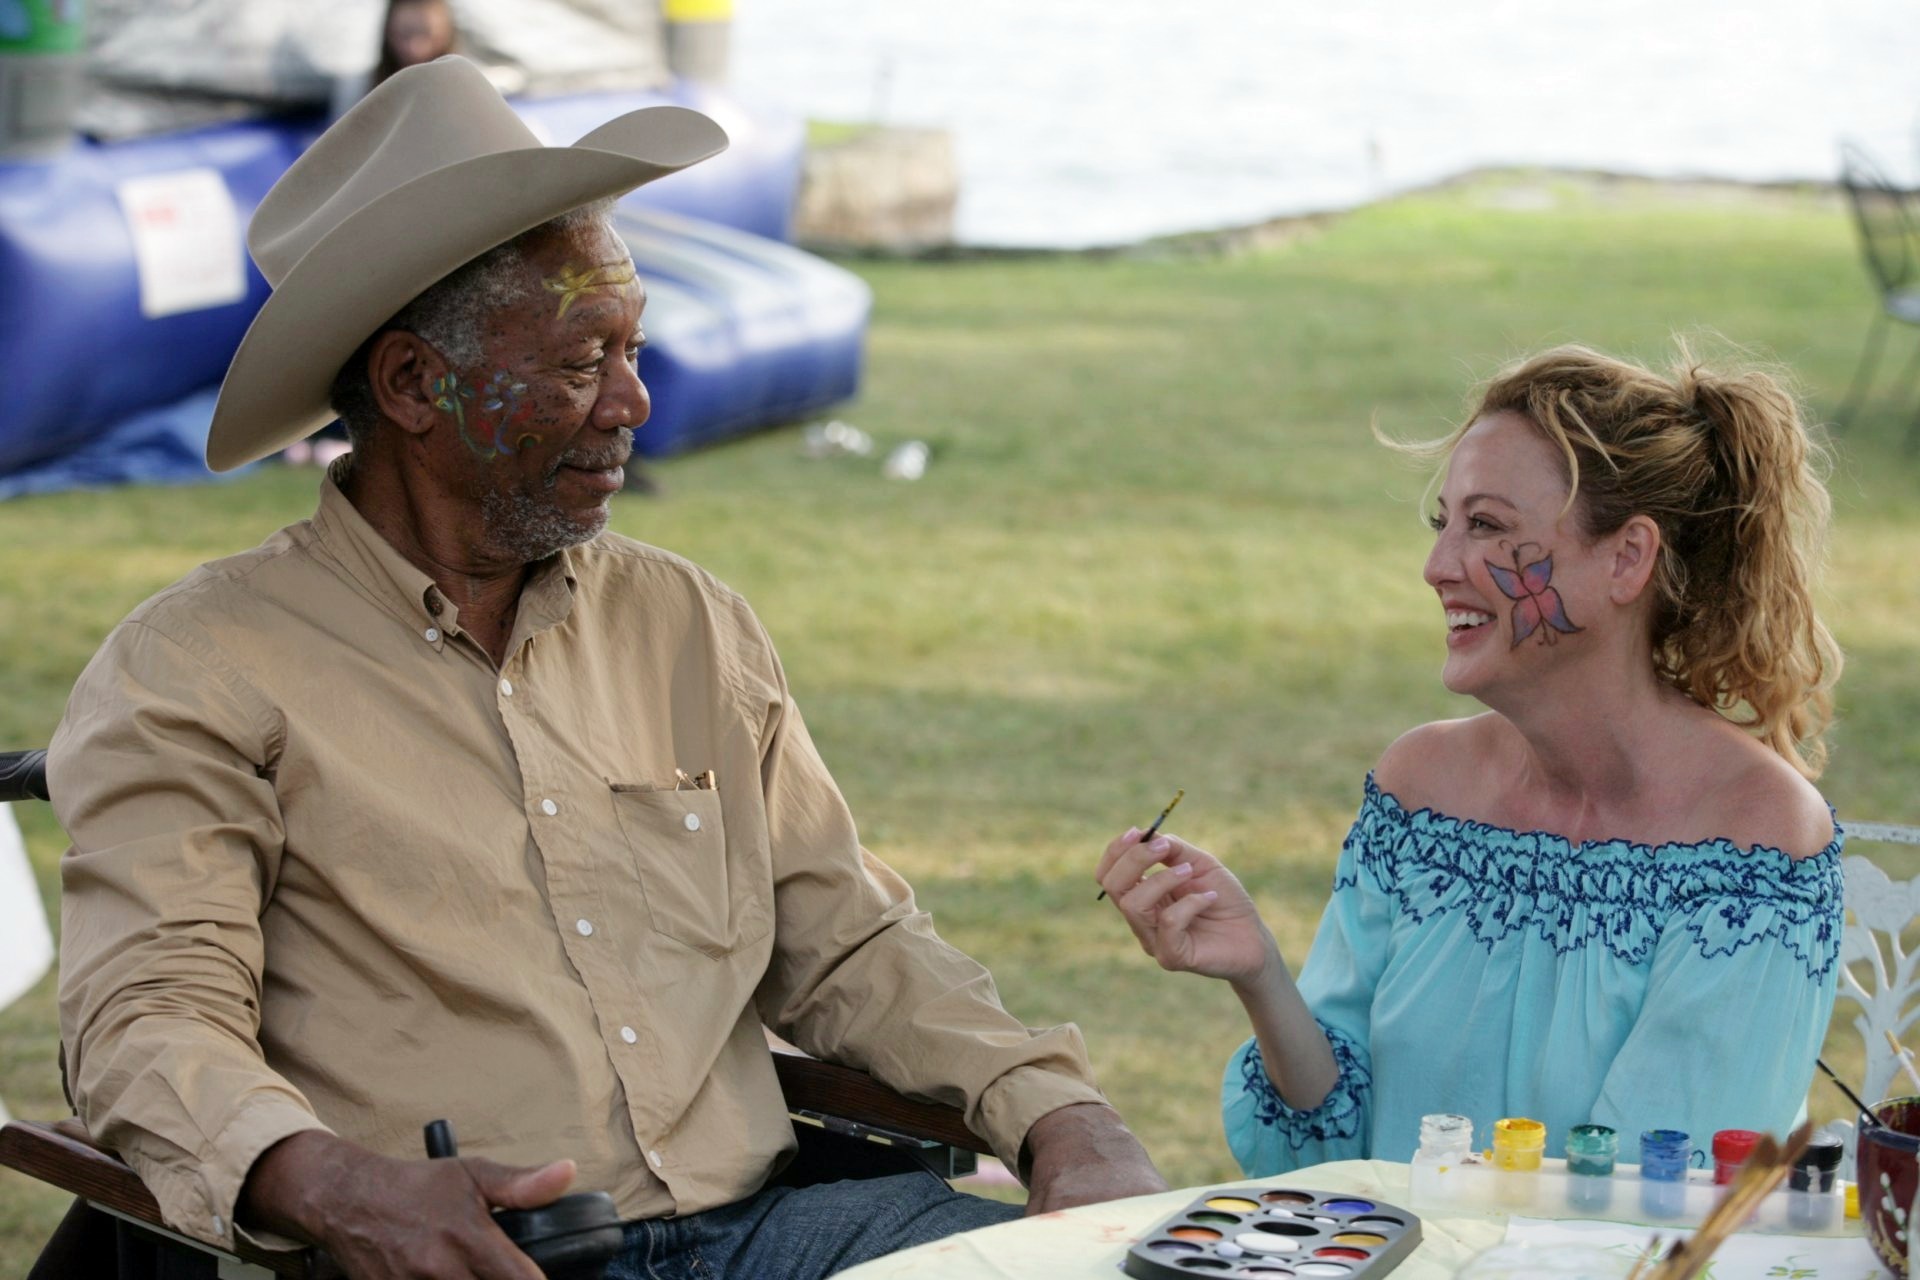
1731, 1147
1813, 1172
1591, 1152
1444, 1139
1518, 1144
1663, 1172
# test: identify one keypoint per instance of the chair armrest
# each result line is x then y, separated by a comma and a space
23, 775
812, 1085
63, 1155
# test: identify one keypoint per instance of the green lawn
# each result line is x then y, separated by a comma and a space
1156, 547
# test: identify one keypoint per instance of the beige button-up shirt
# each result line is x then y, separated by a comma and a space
330, 868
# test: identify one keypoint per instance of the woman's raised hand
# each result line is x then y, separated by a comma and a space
1192, 915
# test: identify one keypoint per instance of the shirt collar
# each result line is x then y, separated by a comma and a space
396, 582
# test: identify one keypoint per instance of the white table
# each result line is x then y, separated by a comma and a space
1089, 1242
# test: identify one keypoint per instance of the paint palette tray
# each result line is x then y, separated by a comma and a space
1269, 1233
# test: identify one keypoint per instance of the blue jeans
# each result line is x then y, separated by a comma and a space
787, 1233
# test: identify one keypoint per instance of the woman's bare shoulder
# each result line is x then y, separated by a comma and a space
1443, 764
1761, 801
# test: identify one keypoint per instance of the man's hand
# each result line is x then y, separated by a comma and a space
382, 1219
1083, 1154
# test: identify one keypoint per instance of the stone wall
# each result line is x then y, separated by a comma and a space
880, 189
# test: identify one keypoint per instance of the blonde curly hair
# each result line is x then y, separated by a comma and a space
1725, 466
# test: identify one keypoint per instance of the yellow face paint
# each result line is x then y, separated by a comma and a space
574, 282
1232, 1204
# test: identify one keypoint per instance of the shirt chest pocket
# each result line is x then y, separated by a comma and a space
703, 890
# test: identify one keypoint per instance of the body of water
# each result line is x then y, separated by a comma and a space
1085, 122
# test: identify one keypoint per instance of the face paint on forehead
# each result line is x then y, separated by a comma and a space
1537, 607
574, 282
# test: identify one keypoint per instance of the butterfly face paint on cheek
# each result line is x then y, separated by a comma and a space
1537, 608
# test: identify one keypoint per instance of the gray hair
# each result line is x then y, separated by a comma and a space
451, 314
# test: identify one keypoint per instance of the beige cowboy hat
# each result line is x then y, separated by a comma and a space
427, 172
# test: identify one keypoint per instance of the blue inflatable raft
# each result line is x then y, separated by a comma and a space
125, 288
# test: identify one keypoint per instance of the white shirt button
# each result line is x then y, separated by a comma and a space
629, 1034
219, 1227
506, 688
431, 635
693, 822
655, 1157
585, 926
549, 808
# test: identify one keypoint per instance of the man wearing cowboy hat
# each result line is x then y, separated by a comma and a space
445, 802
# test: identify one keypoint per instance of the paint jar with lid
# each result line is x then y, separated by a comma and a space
1518, 1144
1731, 1147
1813, 1174
1663, 1172
1591, 1152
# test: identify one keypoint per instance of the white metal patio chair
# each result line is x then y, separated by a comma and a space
1878, 974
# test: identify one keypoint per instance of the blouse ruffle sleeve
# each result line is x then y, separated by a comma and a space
1343, 968
1706, 1052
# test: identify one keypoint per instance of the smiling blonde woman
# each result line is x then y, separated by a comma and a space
1614, 896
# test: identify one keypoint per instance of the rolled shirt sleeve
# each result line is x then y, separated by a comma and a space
1337, 981
157, 771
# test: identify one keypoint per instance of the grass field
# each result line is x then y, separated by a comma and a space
1156, 547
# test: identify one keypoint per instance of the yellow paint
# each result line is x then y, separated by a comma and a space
1231, 1204
574, 282
698, 10
1517, 1143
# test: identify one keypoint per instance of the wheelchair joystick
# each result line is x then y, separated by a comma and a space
574, 1238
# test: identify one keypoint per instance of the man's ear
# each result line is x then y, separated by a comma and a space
411, 382
1634, 551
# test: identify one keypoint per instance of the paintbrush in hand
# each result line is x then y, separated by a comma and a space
1148, 834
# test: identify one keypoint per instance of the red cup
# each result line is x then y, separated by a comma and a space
1889, 1160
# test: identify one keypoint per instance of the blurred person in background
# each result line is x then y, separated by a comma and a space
416, 31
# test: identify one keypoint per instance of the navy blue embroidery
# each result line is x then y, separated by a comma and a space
1613, 893
1336, 1118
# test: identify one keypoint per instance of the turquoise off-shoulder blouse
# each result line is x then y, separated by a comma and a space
1467, 968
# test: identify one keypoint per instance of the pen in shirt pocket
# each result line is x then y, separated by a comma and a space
707, 781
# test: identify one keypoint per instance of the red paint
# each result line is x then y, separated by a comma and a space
1357, 1255
1731, 1147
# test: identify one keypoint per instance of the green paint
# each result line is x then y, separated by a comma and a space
42, 26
